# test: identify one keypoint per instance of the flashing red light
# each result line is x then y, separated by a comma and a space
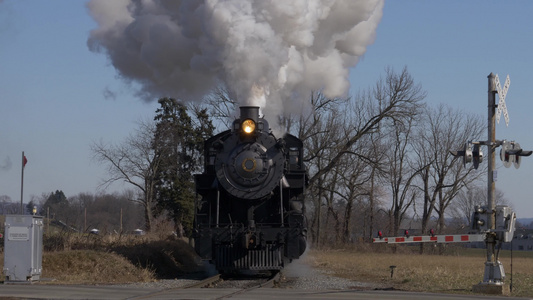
380, 234
432, 232
406, 233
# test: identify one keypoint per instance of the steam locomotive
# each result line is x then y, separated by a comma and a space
250, 214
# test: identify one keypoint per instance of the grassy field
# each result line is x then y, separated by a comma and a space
89, 259
455, 272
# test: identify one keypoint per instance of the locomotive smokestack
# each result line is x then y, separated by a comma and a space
250, 123
250, 112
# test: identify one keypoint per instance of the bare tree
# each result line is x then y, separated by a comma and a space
320, 131
354, 177
377, 173
394, 98
221, 107
337, 131
401, 173
443, 130
133, 161
400, 98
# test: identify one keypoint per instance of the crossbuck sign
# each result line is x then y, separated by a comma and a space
501, 103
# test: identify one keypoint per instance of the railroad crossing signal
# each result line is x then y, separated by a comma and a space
505, 155
511, 153
477, 156
480, 218
471, 152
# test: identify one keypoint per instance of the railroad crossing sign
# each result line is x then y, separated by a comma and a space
501, 103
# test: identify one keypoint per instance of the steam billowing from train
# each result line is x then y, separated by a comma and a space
261, 51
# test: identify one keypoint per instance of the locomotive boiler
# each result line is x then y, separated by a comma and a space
250, 214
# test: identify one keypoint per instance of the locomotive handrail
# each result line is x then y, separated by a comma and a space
241, 225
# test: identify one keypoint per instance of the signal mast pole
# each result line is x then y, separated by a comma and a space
494, 273
491, 203
491, 188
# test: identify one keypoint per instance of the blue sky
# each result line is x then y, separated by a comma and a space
52, 99
52, 103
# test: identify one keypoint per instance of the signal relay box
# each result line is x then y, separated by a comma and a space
505, 223
504, 218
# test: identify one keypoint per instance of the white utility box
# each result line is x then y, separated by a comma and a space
23, 248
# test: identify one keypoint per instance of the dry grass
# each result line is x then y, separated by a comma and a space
92, 267
432, 273
111, 259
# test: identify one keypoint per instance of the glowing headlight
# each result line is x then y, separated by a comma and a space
248, 126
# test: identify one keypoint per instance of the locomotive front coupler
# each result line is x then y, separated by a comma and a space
251, 238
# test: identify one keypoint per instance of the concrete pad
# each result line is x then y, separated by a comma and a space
492, 289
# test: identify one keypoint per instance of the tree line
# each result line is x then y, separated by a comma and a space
109, 213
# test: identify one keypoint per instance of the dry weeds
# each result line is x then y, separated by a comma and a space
430, 273
92, 267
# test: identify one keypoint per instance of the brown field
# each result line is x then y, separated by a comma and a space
455, 272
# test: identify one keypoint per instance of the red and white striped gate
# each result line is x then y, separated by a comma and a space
456, 238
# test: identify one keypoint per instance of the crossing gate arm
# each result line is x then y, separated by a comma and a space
457, 238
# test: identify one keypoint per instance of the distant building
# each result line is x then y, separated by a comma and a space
522, 241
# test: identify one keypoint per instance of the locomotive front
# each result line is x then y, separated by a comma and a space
249, 163
250, 213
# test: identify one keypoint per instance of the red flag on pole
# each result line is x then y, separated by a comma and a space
24, 161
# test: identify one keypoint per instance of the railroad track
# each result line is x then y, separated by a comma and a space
220, 287
249, 282
208, 282
269, 282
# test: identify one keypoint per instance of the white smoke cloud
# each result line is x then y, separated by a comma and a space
271, 53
